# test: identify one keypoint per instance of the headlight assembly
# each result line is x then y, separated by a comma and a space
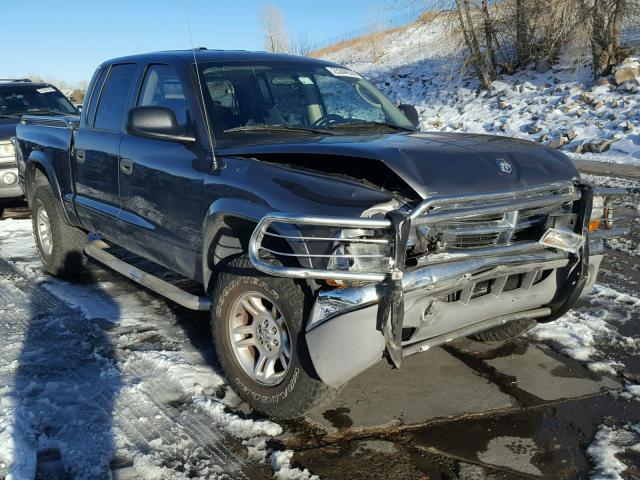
7, 152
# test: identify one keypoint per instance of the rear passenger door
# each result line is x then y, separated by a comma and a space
97, 146
160, 182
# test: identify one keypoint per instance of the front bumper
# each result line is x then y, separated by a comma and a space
344, 340
405, 310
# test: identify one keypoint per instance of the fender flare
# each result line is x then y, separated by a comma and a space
238, 209
38, 160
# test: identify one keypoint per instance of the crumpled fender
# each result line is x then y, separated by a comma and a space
242, 209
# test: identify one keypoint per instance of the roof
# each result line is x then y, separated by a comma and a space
24, 85
204, 55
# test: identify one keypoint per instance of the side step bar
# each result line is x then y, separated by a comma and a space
425, 345
97, 250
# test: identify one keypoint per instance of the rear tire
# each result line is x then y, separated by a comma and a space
504, 332
252, 312
59, 245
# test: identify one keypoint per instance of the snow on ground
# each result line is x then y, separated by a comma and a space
419, 66
608, 444
102, 373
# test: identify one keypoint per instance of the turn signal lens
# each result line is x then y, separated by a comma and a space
594, 225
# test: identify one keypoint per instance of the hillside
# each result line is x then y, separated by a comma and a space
559, 105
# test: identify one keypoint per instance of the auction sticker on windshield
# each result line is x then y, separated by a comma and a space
46, 90
343, 72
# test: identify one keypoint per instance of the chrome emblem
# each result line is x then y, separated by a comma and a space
504, 166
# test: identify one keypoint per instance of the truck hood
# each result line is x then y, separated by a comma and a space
8, 128
430, 163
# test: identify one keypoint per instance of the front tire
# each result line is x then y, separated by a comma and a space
59, 245
258, 330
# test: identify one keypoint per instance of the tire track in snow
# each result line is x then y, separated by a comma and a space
203, 441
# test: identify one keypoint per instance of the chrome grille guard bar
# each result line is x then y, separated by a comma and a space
435, 209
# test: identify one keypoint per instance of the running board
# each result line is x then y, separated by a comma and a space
475, 328
97, 250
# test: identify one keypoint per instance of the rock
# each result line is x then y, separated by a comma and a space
586, 98
542, 65
457, 126
614, 103
616, 137
580, 148
533, 129
558, 143
628, 70
571, 135
580, 112
547, 85
503, 105
504, 127
599, 146
603, 81
611, 117
627, 126
599, 105
543, 138
556, 80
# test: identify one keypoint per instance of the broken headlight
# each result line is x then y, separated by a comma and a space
357, 250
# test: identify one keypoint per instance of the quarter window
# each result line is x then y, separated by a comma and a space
111, 105
162, 88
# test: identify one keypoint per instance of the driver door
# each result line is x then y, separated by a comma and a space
160, 186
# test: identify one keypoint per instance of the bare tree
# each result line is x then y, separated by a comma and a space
302, 45
606, 23
275, 34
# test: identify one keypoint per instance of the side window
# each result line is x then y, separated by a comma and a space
162, 88
110, 111
93, 98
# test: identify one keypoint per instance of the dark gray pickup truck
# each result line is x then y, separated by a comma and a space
324, 231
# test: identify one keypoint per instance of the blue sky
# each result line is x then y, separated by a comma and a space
67, 39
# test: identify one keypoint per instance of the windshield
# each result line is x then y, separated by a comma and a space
23, 100
277, 97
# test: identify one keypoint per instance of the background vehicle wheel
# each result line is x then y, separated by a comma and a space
59, 244
258, 329
504, 332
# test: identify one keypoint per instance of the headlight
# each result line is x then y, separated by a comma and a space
357, 250
7, 152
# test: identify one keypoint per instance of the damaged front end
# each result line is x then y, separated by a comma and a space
402, 279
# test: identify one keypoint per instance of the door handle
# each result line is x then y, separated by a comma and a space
126, 166
80, 156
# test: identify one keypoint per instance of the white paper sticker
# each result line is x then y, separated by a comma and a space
46, 90
305, 80
343, 72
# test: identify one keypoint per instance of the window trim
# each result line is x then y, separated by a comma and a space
126, 102
143, 79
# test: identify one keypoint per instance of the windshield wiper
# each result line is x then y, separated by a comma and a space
366, 123
254, 128
45, 111
9, 115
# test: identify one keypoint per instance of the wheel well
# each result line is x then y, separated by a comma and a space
35, 177
230, 239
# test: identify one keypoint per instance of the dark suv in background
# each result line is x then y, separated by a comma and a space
21, 97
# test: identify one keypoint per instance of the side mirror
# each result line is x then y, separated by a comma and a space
156, 122
411, 113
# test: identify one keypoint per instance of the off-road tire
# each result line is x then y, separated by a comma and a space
301, 389
504, 332
66, 258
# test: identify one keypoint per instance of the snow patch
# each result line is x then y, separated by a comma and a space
610, 442
281, 465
